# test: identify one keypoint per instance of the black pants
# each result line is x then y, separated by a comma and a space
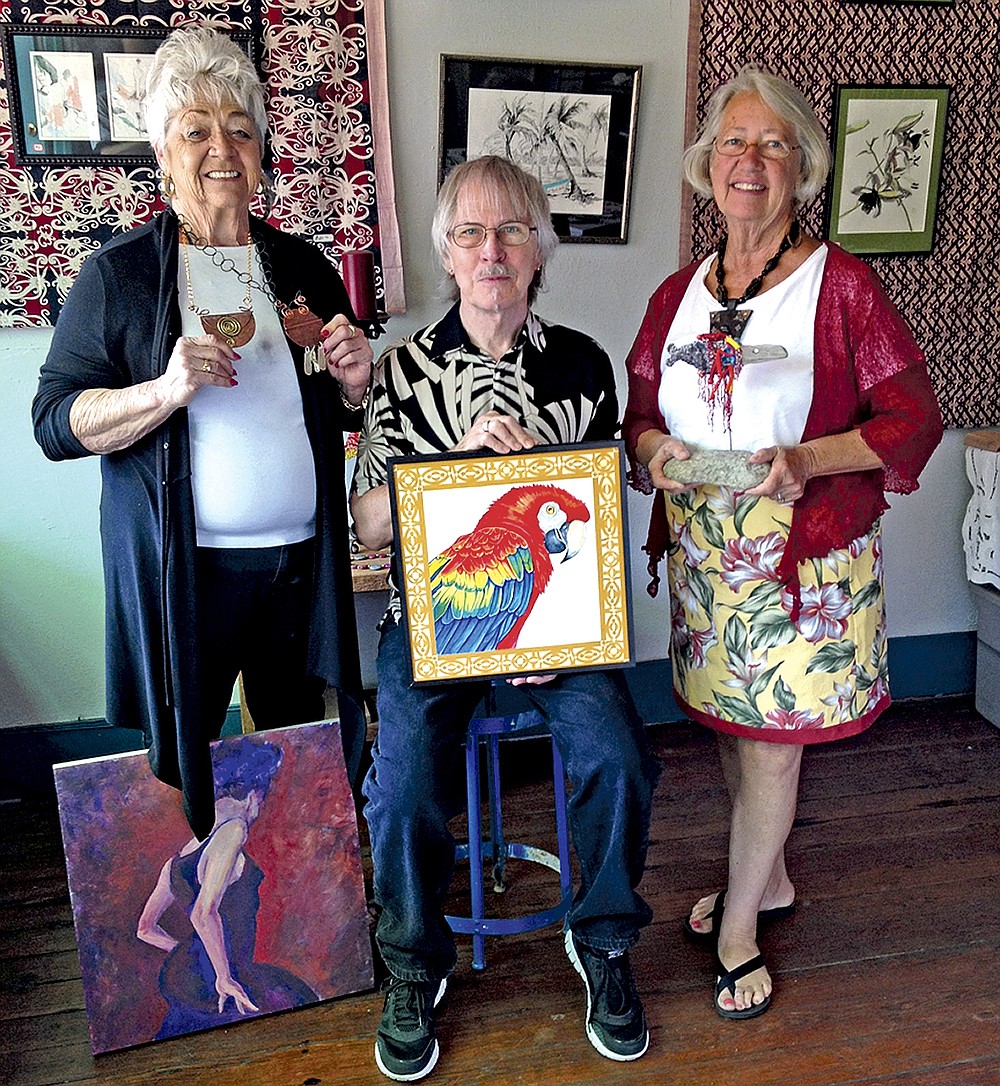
254, 606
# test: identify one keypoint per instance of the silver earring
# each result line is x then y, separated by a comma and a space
265, 190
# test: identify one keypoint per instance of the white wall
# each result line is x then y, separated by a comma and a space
51, 620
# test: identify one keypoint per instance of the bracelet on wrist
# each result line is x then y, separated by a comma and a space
354, 406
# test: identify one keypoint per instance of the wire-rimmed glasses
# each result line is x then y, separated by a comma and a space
470, 235
735, 146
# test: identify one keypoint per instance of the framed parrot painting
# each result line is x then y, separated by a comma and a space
513, 565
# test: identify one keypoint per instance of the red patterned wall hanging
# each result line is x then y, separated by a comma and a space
324, 64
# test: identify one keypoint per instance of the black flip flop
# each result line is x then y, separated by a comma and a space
710, 938
728, 980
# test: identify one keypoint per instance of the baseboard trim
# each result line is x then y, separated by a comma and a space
936, 665
28, 752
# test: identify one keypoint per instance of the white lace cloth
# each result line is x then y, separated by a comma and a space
981, 527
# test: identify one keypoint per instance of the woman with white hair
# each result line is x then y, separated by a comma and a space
787, 349
213, 363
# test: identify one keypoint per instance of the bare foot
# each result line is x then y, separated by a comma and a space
700, 919
752, 989
781, 902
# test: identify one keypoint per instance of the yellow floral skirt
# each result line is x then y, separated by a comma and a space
740, 664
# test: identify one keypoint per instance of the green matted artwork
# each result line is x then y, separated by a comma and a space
888, 150
513, 565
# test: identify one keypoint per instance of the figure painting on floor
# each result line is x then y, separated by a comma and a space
264, 914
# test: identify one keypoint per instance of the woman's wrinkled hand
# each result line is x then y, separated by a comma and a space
658, 450
348, 356
501, 433
197, 361
790, 471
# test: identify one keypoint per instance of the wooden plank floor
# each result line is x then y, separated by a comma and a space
886, 974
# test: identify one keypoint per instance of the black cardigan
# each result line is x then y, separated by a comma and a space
118, 328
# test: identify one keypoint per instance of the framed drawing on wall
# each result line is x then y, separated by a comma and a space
572, 125
76, 92
515, 564
888, 151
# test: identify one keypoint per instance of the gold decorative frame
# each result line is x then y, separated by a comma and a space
421, 488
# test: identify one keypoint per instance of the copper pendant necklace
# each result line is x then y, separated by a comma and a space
236, 329
303, 327
299, 322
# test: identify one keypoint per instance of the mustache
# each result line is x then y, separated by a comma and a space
492, 271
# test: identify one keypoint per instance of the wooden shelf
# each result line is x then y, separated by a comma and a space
984, 439
370, 571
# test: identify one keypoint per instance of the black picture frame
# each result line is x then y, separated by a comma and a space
888, 155
76, 92
518, 108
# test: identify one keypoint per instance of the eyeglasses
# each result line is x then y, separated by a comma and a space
734, 146
470, 235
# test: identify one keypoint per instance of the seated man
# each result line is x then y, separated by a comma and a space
490, 375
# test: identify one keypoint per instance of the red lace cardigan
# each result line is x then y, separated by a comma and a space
868, 374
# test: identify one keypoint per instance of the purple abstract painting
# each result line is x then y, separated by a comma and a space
266, 914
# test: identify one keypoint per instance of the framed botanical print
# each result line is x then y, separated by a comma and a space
888, 154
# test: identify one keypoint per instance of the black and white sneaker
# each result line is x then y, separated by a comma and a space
405, 1046
616, 1022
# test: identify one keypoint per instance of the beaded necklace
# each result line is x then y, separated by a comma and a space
732, 321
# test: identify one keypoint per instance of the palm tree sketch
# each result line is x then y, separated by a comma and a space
561, 138
515, 123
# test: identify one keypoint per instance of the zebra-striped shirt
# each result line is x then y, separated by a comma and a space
428, 391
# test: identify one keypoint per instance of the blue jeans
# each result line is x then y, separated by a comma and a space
416, 785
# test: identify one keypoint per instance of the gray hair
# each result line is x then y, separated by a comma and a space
502, 180
786, 102
201, 64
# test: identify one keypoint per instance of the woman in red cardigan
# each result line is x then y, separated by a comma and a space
787, 349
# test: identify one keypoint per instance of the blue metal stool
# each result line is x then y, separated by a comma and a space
489, 729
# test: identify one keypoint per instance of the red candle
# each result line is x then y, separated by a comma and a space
358, 272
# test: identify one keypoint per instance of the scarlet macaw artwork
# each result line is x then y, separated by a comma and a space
512, 565
485, 584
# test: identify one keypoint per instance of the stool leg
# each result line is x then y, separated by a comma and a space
475, 848
496, 814
562, 822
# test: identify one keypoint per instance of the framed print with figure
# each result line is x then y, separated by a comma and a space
888, 152
514, 564
76, 92
572, 125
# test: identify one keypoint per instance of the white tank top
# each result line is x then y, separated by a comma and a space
252, 468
